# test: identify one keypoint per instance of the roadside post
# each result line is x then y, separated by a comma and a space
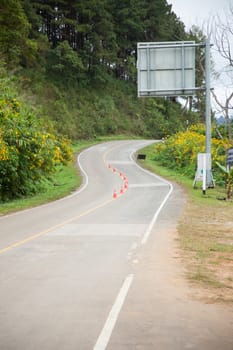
229, 165
229, 160
203, 167
204, 174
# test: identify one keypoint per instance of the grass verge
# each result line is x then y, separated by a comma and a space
65, 180
60, 184
205, 236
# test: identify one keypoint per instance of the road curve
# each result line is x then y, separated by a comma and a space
91, 271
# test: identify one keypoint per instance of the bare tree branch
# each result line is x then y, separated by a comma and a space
217, 100
229, 99
222, 35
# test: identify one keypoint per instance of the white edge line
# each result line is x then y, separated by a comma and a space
75, 193
109, 325
153, 221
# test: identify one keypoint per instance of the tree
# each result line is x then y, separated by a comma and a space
104, 33
99, 40
14, 30
63, 61
141, 20
223, 40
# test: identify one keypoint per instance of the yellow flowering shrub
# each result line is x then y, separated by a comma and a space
3, 149
180, 151
28, 151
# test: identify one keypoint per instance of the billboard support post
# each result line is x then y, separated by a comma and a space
209, 176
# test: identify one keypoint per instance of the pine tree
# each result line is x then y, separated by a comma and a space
14, 30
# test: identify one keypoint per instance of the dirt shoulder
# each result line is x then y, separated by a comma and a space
206, 247
204, 237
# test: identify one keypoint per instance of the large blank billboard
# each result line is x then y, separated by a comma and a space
166, 68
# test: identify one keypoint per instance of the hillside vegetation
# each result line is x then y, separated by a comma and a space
68, 69
75, 63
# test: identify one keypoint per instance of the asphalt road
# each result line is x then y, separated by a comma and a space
98, 269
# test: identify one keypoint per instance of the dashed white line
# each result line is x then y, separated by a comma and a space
153, 184
121, 162
107, 330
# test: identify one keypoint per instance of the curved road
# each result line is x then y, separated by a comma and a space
97, 270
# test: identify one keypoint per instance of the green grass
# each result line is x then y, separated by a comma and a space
64, 181
213, 196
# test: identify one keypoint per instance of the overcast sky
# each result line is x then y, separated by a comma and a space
200, 12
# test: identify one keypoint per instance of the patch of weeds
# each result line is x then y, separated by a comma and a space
206, 279
223, 248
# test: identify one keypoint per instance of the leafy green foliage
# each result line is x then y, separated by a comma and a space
229, 179
103, 33
15, 45
80, 51
28, 150
63, 62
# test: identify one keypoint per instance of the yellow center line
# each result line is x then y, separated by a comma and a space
52, 228
42, 233
110, 150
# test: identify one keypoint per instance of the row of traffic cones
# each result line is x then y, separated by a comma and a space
125, 185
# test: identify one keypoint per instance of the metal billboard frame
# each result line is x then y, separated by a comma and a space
150, 91
166, 68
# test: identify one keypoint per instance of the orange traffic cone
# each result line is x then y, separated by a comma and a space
115, 194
